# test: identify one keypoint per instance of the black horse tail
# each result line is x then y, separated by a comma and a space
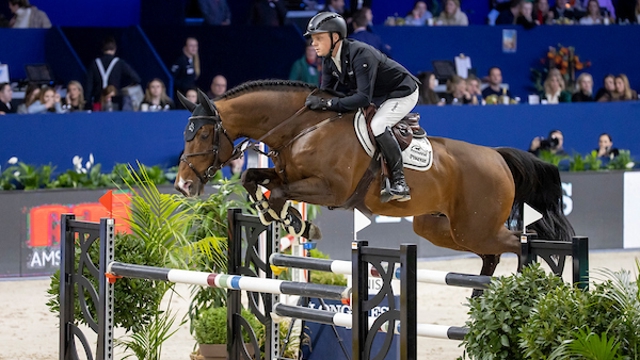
537, 184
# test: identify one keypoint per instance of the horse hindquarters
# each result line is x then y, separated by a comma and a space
538, 184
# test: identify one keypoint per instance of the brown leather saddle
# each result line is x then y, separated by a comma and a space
404, 131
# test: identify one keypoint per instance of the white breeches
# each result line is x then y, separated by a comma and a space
392, 111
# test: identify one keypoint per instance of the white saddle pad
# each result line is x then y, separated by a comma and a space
417, 156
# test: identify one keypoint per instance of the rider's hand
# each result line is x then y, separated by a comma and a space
316, 103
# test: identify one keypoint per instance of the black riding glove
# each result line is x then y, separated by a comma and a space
317, 103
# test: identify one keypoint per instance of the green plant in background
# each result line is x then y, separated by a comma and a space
548, 156
210, 327
576, 163
497, 316
623, 161
588, 345
590, 161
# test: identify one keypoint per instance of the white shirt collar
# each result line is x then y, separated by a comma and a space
336, 59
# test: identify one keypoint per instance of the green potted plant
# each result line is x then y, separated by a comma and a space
210, 331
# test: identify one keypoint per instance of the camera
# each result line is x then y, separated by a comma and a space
550, 143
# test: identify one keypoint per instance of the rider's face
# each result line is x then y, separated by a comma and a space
321, 43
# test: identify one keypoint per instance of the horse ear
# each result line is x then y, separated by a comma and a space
206, 103
186, 103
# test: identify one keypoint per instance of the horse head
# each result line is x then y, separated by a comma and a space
207, 146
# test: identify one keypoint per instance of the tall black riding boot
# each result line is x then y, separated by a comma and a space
392, 154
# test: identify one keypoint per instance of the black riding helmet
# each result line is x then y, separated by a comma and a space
327, 22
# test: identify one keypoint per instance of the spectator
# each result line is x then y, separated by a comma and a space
606, 7
593, 16
218, 87
268, 13
554, 144
585, 89
473, 87
336, 6
108, 70
525, 18
361, 33
452, 15
554, 88
457, 93
186, 69
27, 16
74, 101
215, 12
428, 95
306, 68
608, 91
49, 101
605, 147
563, 13
623, 89
419, 15
510, 15
7, 106
31, 95
192, 95
542, 15
494, 88
107, 99
155, 97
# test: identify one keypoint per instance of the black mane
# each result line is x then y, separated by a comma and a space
267, 85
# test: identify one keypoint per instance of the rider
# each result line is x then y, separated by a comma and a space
370, 77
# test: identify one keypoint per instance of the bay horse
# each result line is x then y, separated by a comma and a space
463, 202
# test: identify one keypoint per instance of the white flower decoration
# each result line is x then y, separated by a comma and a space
88, 165
13, 160
630, 165
90, 159
76, 160
16, 174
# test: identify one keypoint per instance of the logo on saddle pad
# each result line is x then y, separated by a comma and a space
417, 156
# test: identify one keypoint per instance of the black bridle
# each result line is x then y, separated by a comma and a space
217, 164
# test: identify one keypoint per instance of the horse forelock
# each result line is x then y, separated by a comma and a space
268, 85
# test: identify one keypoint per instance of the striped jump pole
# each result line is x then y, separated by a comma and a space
232, 282
344, 268
345, 320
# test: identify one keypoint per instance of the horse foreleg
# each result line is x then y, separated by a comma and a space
489, 264
268, 178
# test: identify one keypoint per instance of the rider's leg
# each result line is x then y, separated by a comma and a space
389, 113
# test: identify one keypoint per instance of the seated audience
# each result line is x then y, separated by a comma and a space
155, 97
428, 95
623, 89
7, 106
268, 13
419, 15
215, 12
608, 91
563, 13
306, 68
362, 33
606, 8
192, 95
593, 16
473, 87
74, 101
49, 101
525, 18
336, 6
509, 16
494, 88
554, 143
605, 147
452, 15
542, 15
26, 16
30, 96
554, 88
585, 89
218, 87
108, 100
457, 93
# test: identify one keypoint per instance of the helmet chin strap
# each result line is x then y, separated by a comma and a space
333, 44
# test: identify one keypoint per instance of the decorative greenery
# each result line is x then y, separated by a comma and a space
210, 327
623, 161
589, 162
536, 316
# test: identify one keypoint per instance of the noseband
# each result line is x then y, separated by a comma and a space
210, 172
